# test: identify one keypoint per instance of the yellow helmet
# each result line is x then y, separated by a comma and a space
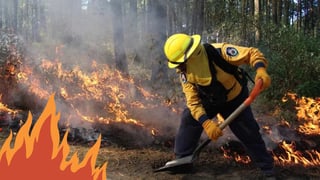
179, 47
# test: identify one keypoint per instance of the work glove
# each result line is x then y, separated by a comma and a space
212, 129
261, 73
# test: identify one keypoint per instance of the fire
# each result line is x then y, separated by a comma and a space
4, 108
293, 156
37, 152
308, 115
290, 152
233, 155
92, 95
113, 93
229, 153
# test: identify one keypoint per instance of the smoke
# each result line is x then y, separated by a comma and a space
73, 36
272, 135
278, 133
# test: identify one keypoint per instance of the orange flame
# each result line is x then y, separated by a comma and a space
228, 154
38, 154
309, 118
308, 112
243, 159
293, 156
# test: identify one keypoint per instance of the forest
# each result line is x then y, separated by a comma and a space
286, 31
104, 60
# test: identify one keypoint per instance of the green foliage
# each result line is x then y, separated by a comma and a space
309, 88
294, 62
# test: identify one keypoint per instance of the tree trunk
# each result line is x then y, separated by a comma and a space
279, 11
43, 18
309, 22
6, 15
1, 14
299, 15
118, 38
133, 36
257, 15
286, 13
268, 11
144, 17
243, 18
35, 21
318, 20
194, 16
274, 12
15, 16
157, 25
201, 17
197, 17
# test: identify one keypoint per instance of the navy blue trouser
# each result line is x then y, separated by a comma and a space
244, 127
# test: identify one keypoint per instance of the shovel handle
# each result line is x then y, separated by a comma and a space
254, 93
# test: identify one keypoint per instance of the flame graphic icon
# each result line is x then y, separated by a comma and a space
37, 152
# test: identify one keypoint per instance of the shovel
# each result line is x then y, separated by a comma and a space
191, 158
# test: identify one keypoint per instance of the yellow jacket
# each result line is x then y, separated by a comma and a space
198, 72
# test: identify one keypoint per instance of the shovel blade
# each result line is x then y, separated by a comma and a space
177, 163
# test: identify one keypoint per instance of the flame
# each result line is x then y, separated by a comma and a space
229, 154
243, 159
37, 154
97, 94
308, 115
4, 108
293, 156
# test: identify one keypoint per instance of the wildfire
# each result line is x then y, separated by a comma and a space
95, 95
4, 108
230, 153
37, 154
289, 152
234, 155
308, 114
293, 156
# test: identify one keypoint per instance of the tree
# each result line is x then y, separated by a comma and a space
1, 15
132, 26
118, 38
274, 12
35, 21
157, 32
15, 15
257, 15
286, 13
197, 17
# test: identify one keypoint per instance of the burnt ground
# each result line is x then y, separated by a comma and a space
138, 164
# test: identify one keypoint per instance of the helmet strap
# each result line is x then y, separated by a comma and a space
185, 53
187, 50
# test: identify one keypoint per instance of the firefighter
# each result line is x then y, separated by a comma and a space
209, 90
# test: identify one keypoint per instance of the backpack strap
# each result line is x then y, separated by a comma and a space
214, 55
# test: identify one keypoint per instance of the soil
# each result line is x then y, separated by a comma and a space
139, 164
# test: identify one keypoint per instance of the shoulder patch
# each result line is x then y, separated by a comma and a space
231, 51
183, 77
